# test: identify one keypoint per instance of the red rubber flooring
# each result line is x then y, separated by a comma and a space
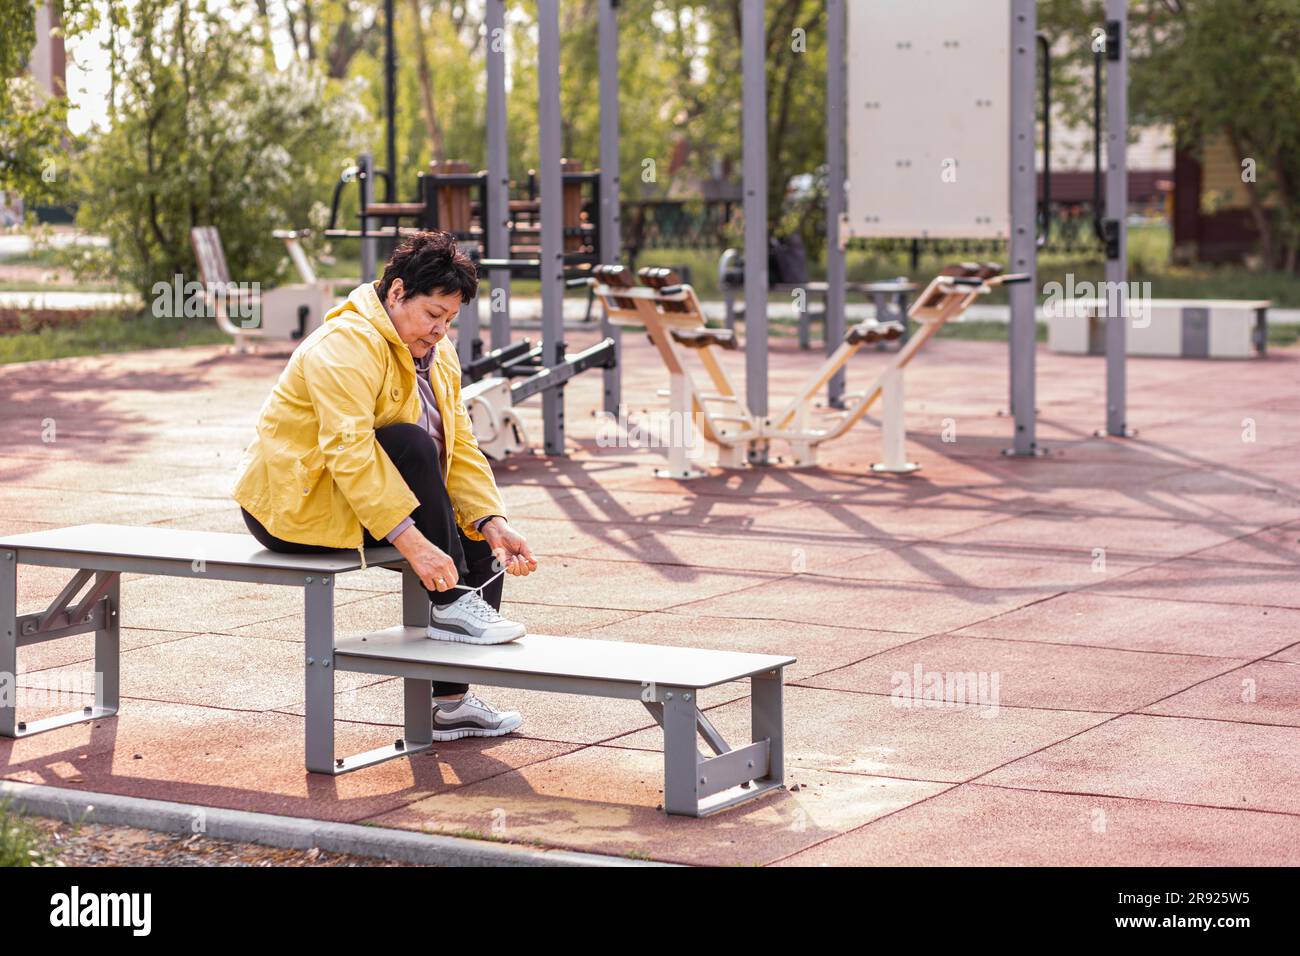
1089, 658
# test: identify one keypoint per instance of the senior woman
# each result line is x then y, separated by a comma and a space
365, 440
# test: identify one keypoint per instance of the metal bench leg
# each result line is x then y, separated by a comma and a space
696, 785
8, 644
416, 694
108, 647
681, 757
97, 611
767, 720
318, 647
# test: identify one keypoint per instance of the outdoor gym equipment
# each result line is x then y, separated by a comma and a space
968, 171
889, 296
671, 314
490, 390
287, 313
561, 228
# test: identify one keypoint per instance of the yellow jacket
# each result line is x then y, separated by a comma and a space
315, 473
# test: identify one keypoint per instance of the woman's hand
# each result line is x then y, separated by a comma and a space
509, 546
434, 567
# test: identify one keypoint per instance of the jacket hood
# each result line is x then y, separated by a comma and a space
364, 300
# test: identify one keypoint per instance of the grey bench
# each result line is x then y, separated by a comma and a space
666, 680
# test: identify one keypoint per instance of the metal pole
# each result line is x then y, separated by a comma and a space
754, 139
1117, 214
497, 228
550, 189
836, 91
610, 222
469, 345
390, 99
1023, 333
366, 173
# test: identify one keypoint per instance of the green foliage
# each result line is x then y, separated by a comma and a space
1210, 68
205, 130
31, 121
105, 333
21, 843
1231, 68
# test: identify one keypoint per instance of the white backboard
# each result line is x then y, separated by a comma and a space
929, 118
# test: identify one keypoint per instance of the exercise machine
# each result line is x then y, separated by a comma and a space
503, 378
672, 317
287, 313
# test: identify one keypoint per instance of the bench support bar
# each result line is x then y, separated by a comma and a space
97, 612
697, 786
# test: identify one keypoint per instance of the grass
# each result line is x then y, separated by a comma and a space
21, 843
107, 332
1149, 261
71, 285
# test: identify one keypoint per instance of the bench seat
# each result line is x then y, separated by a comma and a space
666, 680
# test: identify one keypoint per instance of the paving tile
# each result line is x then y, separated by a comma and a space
1216, 576
1146, 624
623, 585
770, 552
212, 606
1043, 569
1176, 759
879, 605
1024, 674
80, 648
607, 800
1263, 692
559, 718
1132, 536
975, 825
245, 761
1289, 654
868, 734
212, 670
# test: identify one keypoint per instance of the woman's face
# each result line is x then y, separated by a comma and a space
421, 321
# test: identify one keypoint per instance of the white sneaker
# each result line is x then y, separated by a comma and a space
471, 620
472, 717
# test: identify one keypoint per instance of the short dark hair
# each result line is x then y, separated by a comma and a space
429, 262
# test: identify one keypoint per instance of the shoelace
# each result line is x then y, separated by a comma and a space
480, 608
479, 589
475, 701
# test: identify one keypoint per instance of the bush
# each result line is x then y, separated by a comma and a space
204, 130
21, 843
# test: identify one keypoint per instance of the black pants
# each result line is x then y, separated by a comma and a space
416, 457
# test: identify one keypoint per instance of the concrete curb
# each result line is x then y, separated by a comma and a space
287, 832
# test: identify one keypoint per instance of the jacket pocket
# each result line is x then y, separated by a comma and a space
308, 470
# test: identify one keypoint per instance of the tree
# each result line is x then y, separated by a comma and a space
203, 130
1227, 68
31, 119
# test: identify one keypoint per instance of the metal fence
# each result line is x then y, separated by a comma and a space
718, 224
